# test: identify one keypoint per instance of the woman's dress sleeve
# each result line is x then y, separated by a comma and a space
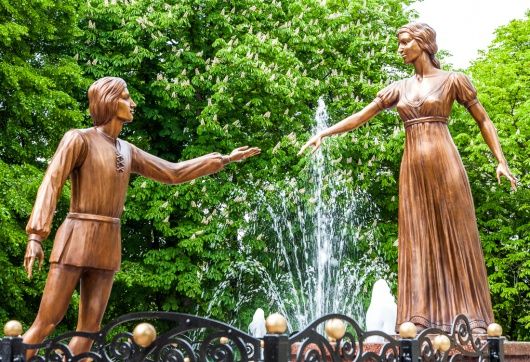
388, 97
465, 93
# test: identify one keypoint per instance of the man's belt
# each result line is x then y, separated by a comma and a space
93, 217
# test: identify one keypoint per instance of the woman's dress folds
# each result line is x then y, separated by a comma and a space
441, 270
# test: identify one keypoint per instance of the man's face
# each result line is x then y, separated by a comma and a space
126, 107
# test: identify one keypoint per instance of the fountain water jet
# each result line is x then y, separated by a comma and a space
318, 228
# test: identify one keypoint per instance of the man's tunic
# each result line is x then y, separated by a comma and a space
90, 234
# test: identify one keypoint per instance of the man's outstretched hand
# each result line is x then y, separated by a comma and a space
241, 153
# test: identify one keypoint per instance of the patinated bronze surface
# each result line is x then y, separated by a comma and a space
87, 247
441, 270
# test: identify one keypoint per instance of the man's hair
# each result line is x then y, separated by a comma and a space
103, 97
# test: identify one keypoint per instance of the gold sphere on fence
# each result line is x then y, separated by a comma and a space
276, 324
223, 340
335, 329
494, 330
187, 359
441, 343
13, 329
407, 330
144, 334
435, 344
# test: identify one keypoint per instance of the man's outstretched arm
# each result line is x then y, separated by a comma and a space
164, 171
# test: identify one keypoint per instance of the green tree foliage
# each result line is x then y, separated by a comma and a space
213, 75
501, 76
38, 84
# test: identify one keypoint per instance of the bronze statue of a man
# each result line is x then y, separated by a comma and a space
87, 246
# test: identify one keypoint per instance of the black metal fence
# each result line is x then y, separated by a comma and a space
186, 338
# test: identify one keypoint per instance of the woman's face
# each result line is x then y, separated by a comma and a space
408, 48
126, 107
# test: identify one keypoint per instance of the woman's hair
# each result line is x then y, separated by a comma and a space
426, 38
103, 97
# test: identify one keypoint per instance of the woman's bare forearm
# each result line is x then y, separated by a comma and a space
488, 131
354, 121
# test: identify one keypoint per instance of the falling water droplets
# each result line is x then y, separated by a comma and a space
315, 235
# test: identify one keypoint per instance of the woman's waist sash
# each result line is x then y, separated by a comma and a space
410, 122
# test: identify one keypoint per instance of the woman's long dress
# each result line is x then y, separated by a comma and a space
441, 270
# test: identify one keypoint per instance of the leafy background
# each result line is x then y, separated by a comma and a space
211, 75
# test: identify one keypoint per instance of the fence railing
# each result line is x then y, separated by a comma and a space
180, 337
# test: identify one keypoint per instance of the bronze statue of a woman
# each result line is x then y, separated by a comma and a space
87, 246
441, 270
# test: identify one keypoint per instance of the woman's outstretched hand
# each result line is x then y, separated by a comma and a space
503, 170
241, 153
314, 141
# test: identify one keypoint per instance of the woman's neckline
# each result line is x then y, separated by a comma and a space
418, 102
438, 74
